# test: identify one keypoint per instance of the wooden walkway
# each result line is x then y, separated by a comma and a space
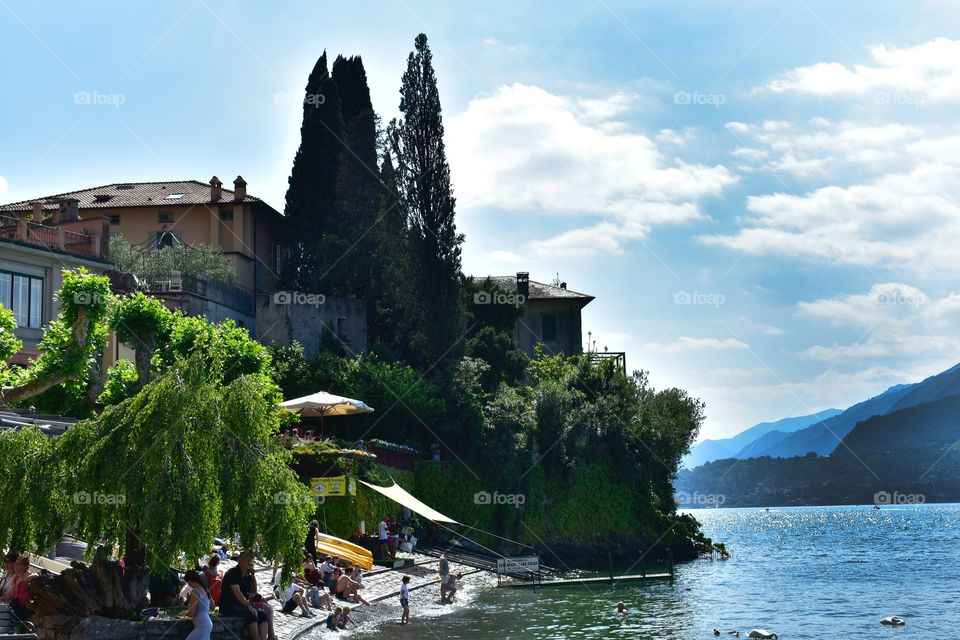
563, 582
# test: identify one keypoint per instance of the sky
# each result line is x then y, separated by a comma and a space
762, 196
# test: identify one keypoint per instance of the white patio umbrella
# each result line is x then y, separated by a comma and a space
322, 404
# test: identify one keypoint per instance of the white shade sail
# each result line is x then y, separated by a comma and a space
322, 404
400, 496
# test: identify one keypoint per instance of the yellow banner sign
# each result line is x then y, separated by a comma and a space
333, 486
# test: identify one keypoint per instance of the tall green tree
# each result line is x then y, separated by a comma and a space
312, 215
423, 178
394, 320
358, 182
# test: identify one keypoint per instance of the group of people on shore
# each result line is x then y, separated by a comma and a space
236, 595
332, 586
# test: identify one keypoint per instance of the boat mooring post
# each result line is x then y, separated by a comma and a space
610, 558
670, 558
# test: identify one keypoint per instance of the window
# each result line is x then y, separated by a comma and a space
342, 329
226, 213
548, 328
113, 219
23, 295
173, 196
276, 258
165, 216
124, 187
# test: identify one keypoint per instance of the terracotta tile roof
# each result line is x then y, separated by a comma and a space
538, 290
135, 194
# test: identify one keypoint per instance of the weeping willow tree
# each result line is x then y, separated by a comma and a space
185, 450
186, 459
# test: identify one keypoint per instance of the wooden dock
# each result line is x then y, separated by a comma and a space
608, 580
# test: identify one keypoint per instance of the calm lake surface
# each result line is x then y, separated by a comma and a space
802, 572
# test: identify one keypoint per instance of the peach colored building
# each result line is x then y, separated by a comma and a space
157, 214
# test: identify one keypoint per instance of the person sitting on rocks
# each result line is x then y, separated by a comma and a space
295, 596
345, 618
20, 596
6, 582
310, 572
236, 600
347, 589
327, 569
333, 620
214, 578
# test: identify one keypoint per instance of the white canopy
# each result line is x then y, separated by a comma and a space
322, 404
397, 494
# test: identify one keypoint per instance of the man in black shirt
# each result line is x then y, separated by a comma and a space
236, 598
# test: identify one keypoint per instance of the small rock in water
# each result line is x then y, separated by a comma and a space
764, 634
893, 621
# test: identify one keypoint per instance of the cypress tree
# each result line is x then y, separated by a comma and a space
358, 183
423, 178
311, 205
392, 312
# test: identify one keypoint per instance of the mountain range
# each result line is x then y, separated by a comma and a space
822, 433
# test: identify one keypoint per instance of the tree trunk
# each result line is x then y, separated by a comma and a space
103, 588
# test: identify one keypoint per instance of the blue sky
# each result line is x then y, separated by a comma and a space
762, 196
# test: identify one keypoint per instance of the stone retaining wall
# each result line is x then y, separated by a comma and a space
70, 628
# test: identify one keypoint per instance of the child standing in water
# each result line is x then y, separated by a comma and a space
405, 599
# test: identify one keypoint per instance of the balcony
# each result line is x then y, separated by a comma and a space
58, 238
228, 295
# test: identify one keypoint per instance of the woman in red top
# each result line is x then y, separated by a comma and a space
214, 578
20, 597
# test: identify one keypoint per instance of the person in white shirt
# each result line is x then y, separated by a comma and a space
384, 537
295, 596
327, 567
405, 599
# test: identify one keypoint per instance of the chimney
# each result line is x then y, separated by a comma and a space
67, 211
239, 188
523, 283
215, 189
37, 211
563, 285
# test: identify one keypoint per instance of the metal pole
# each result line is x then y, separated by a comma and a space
610, 557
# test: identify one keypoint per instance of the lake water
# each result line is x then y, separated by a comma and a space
804, 572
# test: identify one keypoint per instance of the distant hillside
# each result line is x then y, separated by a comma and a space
742, 444
923, 432
823, 439
909, 455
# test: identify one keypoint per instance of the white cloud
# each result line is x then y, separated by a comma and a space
527, 150
929, 71
897, 221
888, 303
686, 343
903, 323
669, 136
829, 144
886, 344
